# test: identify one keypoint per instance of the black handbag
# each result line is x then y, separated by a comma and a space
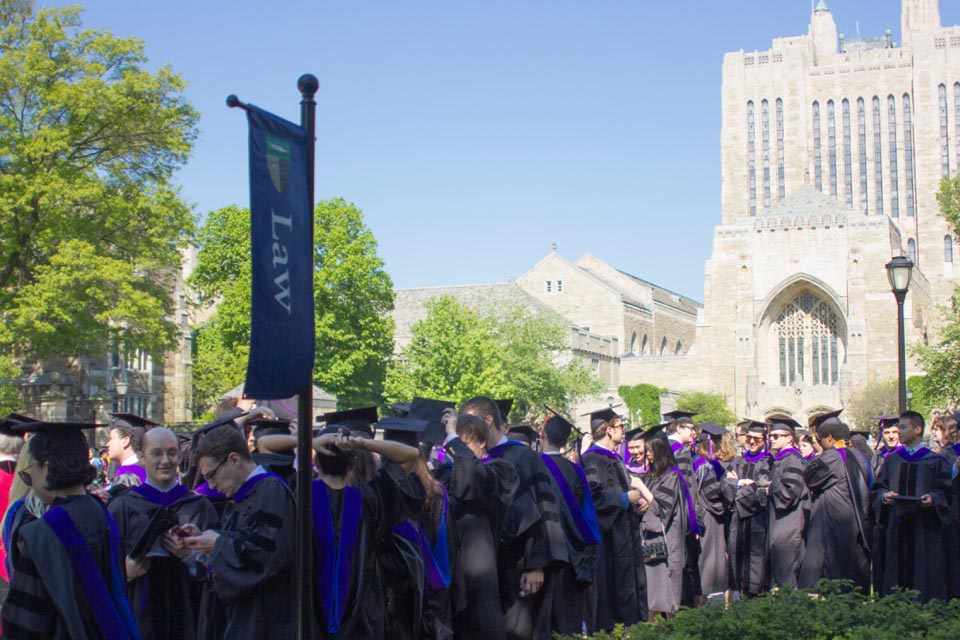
656, 550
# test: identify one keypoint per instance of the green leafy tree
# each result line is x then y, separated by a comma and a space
709, 407
643, 403
505, 351
353, 297
9, 398
90, 220
877, 397
922, 397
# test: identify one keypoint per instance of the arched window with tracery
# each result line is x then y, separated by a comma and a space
808, 342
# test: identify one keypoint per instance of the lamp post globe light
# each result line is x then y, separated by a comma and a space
899, 272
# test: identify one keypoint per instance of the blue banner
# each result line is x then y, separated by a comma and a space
282, 337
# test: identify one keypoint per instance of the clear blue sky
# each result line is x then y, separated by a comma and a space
476, 133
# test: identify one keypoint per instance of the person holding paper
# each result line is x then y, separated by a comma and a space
911, 500
163, 580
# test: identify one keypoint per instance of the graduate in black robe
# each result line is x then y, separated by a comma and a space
480, 494
745, 488
164, 591
249, 558
888, 443
569, 592
788, 504
349, 523
709, 473
620, 577
682, 433
68, 576
837, 545
911, 499
946, 433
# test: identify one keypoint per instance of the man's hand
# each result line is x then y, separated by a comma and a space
633, 496
136, 568
744, 482
732, 475
531, 582
643, 505
174, 544
449, 420
889, 497
203, 543
926, 500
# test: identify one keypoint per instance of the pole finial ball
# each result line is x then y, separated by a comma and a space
233, 101
308, 84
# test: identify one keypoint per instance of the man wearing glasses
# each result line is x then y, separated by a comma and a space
745, 487
789, 503
250, 556
682, 433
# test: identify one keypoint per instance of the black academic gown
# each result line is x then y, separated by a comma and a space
165, 600
48, 599
388, 499
250, 571
749, 522
839, 531
951, 452
441, 601
667, 517
691, 569
916, 541
532, 539
714, 567
620, 577
480, 494
569, 593
788, 506
879, 534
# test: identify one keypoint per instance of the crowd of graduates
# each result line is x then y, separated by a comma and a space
442, 522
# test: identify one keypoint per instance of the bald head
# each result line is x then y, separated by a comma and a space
161, 456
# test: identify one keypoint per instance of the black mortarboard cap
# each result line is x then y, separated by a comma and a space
784, 424
226, 418
556, 427
711, 428
358, 421
606, 414
504, 406
133, 420
523, 433
404, 430
12, 419
755, 426
865, 434
431, 411
400, 409
654, 431
53, 428
887, 420
823, 417
633, 434
264, 426
679, 416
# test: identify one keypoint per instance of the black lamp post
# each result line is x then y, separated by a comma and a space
899, 272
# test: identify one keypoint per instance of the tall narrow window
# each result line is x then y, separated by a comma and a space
559, 286
549, 286
807, 332
832, 145
781, 181
912, 250
956, 119
944, 134
817, 160
908, 153
877, 155
752, 157
765, 141
894, 173
948, 248
862, 140
847, 155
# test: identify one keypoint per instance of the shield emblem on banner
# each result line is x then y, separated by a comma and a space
278, 162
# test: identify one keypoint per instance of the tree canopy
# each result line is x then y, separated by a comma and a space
90, 220
353, 297
503, 351
708, 407
643, 403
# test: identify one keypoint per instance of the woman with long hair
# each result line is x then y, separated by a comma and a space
666, 519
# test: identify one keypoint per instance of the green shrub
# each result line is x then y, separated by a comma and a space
836, 613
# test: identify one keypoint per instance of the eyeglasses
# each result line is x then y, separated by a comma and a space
209, 476
779, 435
754, 438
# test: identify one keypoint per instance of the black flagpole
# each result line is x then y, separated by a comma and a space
308, 86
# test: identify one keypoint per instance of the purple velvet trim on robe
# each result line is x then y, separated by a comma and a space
915, 456
784, 452
756, 457
603, 452
163, 498
843, 453
718, 469
248, 486
333, 558
676, 446
499, 450
205, 490
894, 450
135, 469
693, 525
956, 448
111, 610
584, 517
